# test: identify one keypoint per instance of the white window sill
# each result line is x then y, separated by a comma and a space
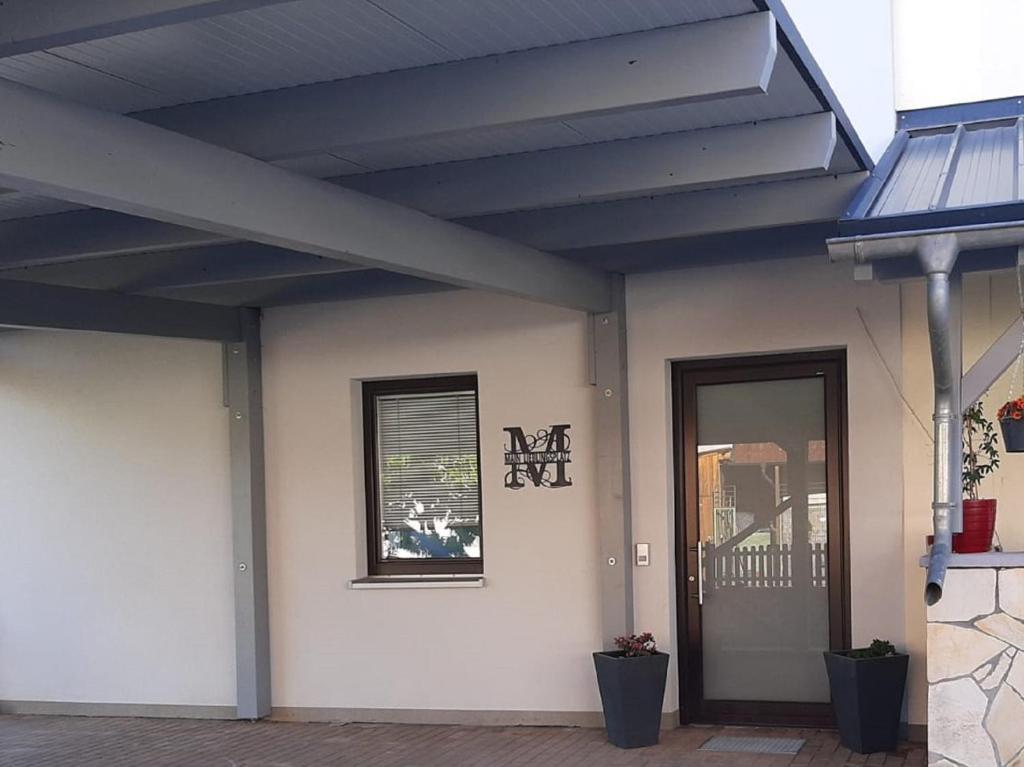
987, 559
419, 582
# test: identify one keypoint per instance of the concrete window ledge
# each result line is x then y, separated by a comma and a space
423, 582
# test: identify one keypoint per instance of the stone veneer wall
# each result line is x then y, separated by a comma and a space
976, 670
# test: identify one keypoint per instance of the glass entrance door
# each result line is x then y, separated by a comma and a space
763, 582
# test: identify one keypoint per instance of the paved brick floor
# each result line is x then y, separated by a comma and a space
42, 741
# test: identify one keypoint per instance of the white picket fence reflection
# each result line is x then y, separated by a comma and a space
770, 567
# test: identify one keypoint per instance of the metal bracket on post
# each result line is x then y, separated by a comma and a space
244, 399
609, 376
864, 272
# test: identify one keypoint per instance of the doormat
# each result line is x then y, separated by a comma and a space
753, 745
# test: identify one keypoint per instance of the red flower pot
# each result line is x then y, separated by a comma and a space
979, 526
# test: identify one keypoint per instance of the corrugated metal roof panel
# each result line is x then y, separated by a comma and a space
986, 168
913, 180
961, 166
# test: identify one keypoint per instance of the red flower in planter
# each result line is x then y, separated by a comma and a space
1013, 410
637, 645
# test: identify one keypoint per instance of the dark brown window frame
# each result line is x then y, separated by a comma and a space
377, 564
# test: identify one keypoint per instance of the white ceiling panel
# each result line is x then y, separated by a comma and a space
17, 205
321, 165
788, 96
464, 146
310, 41
263, 49
70, 80
471, 28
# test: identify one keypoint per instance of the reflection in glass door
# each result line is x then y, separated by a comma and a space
759, 456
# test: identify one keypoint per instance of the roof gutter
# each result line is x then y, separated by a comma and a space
937, 251
865, 248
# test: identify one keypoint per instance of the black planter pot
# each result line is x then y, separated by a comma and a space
867, 697
1013, 435
632, 691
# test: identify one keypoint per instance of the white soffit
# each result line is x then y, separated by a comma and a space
321, 40
311, 41
289, 44
788, 96
22, 205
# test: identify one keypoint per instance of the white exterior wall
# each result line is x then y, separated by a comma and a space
135, 604
953, 52
523, 642
760, 308
115, 551
853, 44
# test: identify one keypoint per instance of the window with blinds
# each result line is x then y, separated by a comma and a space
423, 475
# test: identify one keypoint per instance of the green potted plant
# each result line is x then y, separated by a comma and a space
867, 695
632, 684
981, 458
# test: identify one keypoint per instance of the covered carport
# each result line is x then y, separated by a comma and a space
172, 168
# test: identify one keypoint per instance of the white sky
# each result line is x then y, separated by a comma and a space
956, 51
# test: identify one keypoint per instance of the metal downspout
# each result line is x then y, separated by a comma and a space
937, 256
937, 251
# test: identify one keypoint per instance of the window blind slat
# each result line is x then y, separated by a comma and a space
427, 463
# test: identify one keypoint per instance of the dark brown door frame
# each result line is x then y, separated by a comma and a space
685, 378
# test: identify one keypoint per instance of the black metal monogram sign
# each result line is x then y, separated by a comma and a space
539, 458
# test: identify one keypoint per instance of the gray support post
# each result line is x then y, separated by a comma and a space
613, 489
35, 305
248, 514
998, 357
996, 360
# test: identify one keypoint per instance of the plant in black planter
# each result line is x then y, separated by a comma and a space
632, 684
867, 695
1011, 415
981, 458
1011, 418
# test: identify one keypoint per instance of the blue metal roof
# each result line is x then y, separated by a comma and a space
937, 177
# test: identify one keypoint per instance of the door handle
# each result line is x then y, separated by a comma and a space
700, 573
